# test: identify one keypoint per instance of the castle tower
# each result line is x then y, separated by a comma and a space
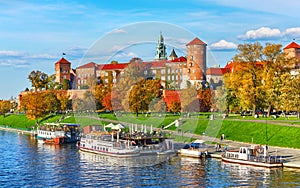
62, 70
160, 49
293, 51
196, 61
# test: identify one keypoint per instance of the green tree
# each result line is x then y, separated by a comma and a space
39, 80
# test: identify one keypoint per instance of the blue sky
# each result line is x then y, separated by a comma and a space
34, 34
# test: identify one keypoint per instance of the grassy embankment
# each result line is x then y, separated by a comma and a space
265, 131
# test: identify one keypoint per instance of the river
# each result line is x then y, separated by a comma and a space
25, 162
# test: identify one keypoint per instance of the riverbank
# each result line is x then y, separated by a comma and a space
290, 156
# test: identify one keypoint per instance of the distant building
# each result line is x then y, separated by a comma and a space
63, 71
214, 76
174, 73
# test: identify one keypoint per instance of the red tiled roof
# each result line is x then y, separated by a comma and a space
216, 71
154, 64
196, 41
63, 61
292, 45
88, 65
179, 59
114, 66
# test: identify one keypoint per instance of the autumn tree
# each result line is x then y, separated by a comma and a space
4, 107
189, 101
205, 97
50, 100
63, 98
35, 106
135, 71
276, 66
250, 74
174, 107
142, 93
290, 92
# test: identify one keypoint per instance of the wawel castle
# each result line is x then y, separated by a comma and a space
173, 71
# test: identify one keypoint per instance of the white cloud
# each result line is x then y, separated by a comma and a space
9, 53
292, 31
41, 56
223, 45
261, 33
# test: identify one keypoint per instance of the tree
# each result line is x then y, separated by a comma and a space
35, 106
142, 94
51, 102
135, 71
174, 107
106, 102
63, 98
205, 96
4, 107
250, 74
189, 101
39, 80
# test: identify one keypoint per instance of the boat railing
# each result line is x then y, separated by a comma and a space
265, 159
256, 158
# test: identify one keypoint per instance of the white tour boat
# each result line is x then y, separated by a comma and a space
125, 145
256, 156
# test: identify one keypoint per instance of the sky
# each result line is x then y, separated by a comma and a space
34, 34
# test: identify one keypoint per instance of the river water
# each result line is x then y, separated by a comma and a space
24, 162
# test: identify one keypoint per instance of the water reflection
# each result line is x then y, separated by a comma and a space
115, 162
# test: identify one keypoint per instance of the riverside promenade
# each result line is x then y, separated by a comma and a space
290, 156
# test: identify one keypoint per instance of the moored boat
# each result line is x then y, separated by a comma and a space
126, 144
256, 156
196, 149
58, 133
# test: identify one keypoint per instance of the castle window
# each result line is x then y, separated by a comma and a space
154, 71
162, 71
163, 78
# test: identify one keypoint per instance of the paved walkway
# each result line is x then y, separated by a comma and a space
291, 157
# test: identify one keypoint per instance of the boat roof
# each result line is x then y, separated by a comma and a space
198, 141
64, 124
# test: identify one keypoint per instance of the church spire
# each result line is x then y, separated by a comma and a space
160, 49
